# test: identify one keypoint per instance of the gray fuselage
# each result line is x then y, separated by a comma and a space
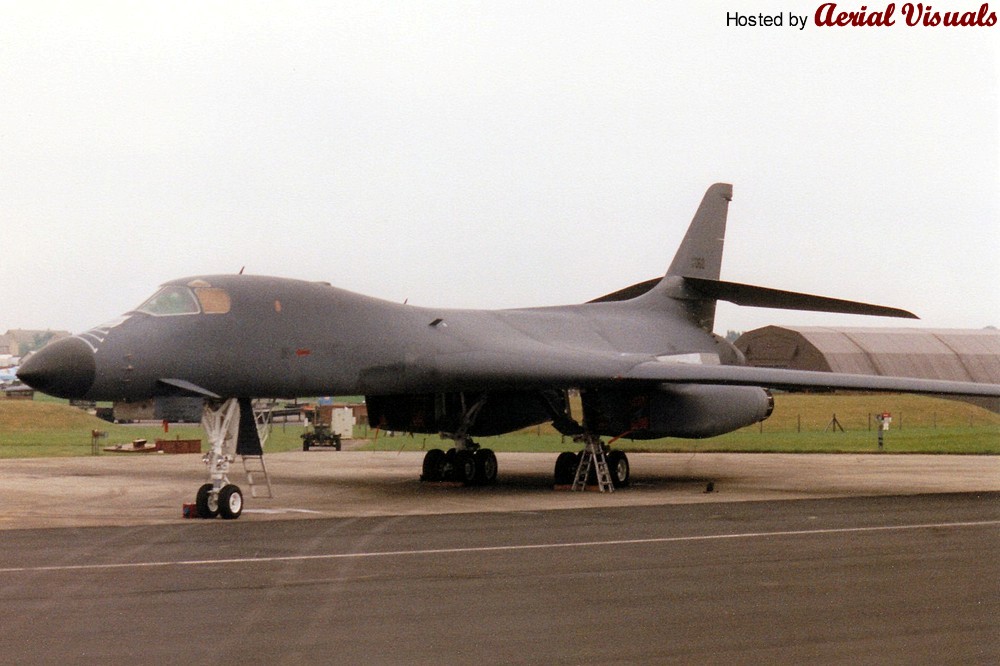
285, 338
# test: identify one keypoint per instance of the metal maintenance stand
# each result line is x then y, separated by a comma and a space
593, 455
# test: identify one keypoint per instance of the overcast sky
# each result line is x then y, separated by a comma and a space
495, 154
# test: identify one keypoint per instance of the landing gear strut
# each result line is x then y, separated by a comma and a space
220, 498
466, 462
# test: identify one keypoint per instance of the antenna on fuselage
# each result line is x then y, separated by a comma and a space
241, 270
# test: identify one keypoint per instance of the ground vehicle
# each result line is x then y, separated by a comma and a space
320, 435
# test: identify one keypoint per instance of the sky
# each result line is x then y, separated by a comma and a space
493, 154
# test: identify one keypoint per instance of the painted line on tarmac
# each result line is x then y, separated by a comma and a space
496, 549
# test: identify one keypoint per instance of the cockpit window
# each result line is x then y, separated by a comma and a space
170, 301
213, 300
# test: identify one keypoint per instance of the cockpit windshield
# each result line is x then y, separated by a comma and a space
171, 300
177, 300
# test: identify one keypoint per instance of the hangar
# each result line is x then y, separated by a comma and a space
954, 354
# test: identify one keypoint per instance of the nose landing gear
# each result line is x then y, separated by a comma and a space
227, 502
230, 502
226, 434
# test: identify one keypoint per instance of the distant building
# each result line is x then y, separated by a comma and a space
19, 392
19, 341
968, 355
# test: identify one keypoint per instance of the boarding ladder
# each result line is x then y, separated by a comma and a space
253, 465
593, 456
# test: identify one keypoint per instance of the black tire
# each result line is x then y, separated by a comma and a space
448, 469
619, 468
465, 467
486, 467
230, 502
566, 468
433, 469
207, 506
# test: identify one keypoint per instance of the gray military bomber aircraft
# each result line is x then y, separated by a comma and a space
644, 360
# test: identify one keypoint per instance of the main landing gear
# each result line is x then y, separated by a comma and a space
466, 462
469, 464
596, 465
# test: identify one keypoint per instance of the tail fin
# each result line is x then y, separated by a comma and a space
700, 253
693, 277
699, 256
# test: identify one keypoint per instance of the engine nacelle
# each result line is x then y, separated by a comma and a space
683, 410
442, 412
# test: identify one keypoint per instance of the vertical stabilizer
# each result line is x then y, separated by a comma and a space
692, 281
699, 256
700, 253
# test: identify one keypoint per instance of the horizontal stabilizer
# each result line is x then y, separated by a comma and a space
761, 297
765, 297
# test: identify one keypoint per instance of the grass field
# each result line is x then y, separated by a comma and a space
800, 424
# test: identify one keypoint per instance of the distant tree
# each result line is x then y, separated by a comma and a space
38, 340
732, 335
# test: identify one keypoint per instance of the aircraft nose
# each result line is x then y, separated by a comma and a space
64, 368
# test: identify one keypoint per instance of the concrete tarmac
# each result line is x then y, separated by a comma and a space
814, 558
142, 489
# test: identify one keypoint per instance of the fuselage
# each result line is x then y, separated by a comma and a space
239, 335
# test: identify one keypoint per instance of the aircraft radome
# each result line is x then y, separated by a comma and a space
644, 359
